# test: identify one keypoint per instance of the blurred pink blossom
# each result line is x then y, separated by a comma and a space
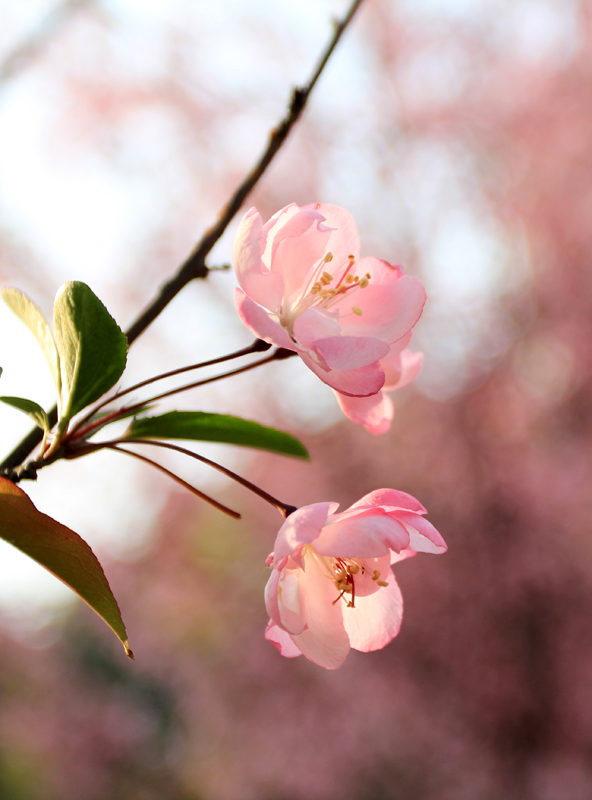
331, 586
305, 288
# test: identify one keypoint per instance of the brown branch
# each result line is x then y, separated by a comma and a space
194, 266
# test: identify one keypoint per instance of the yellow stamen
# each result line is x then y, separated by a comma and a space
363, 283
357, 311
349, 278
328, 257
381, 583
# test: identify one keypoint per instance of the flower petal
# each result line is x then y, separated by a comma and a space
357, 382
289, 601
376, 619
261, 285
312, 325
259, 321
298, 250
270, 595
368, 534
371, 570
389, 499
402, 556
344, 240
375, 412
351, 352
389, 310
423, 537
408, 368
302, 527
281, 640
324, 641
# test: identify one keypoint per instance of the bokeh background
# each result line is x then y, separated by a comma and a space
459, 135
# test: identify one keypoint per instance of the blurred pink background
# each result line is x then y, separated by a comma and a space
459, 135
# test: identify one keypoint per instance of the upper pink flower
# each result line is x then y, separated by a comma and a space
305, 288
332, 587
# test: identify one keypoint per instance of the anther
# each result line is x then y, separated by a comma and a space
349, 278
381, 583
376, 575
328, 257
357, 311
363, 283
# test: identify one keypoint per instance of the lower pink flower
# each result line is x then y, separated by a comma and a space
332, 587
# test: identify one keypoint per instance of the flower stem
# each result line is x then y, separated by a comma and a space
115, 446
283, 508
277, 355
258, 346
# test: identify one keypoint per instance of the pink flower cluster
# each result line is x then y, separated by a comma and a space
305, 288
331, 586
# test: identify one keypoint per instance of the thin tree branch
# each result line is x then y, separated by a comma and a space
194, 266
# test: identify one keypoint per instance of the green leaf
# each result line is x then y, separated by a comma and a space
61, 551
199, 426
27, 311
92, 348
31, 408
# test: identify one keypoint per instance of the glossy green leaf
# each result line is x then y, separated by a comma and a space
199, 426
92, 348
30, 408
27, 311
61, 551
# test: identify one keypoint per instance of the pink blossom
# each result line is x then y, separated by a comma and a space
305, 288
376, 412
331, 586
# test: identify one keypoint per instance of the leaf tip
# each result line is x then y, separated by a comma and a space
128, 651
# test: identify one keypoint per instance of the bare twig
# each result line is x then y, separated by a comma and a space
194, 266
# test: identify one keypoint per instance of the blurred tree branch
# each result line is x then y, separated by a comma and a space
30, 47
194, 266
